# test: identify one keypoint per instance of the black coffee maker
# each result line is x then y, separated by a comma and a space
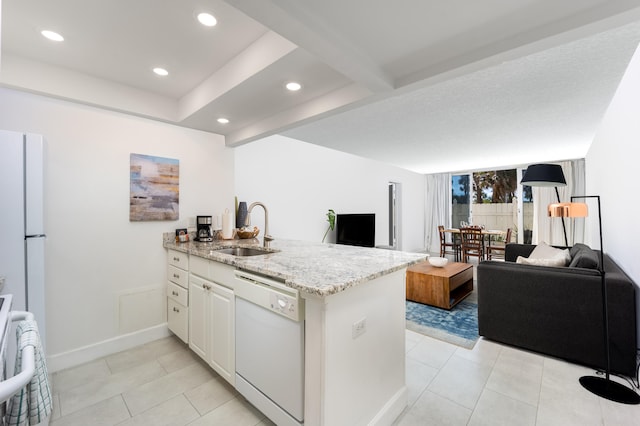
204, 233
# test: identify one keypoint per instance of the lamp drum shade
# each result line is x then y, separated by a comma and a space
544, 175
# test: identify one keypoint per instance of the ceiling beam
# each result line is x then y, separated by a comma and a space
264, 52
291, 21
62, 83
591, 21
316, 108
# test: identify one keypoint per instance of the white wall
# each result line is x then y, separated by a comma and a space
612, 173
94, 254
299, 182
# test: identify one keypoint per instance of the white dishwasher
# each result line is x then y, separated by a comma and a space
270, 347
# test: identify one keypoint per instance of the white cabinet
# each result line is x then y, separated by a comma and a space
198, 315
212, 316
222, 356
179, 259
178, 294
178, 319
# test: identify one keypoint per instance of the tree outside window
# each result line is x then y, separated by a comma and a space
496, 186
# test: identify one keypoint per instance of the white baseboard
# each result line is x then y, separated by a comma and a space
392, 409
88, 353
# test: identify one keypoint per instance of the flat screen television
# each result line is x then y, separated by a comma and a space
356, 229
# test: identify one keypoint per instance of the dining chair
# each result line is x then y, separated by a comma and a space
446, 247
498, 248
472, 241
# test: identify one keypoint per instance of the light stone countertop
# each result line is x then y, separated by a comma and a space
314, 268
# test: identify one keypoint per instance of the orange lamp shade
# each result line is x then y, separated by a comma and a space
568, 210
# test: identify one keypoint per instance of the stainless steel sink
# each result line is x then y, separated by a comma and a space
242, 251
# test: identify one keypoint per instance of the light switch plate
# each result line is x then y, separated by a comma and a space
358, 328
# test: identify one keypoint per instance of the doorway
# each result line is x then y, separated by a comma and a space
394, 194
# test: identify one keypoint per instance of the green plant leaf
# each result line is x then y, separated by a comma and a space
331, 218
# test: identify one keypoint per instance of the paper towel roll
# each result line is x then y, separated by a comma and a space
227, 228
217, 222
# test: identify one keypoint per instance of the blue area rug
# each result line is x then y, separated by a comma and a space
458, 326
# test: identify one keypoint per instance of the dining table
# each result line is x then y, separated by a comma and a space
488, 234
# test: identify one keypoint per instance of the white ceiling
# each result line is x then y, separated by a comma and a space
427, 85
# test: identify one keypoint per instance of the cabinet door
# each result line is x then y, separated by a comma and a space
223, 332
198, 316
178, 319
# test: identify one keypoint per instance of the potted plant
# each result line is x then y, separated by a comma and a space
331, 218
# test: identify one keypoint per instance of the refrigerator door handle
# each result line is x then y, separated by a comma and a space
34, 184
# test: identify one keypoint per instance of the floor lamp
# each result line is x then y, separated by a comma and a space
546, 175
601, 386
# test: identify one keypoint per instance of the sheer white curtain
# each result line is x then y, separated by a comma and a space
437, 209
549, 229
578, 232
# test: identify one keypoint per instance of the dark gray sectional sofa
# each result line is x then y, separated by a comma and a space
557, 311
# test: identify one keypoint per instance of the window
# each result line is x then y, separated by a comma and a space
460, 196
491, 199
495, 186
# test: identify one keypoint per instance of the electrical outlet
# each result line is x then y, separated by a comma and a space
358, 328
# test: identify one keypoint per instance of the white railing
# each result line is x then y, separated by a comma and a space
494, 216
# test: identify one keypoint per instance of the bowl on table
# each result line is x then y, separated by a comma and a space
438, 261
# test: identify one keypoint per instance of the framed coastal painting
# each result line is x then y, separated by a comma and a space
154, 188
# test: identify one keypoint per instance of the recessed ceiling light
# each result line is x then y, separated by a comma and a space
52, 35
161, 71
293, 86
222, 120
207, 19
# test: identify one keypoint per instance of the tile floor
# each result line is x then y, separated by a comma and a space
163, 383
160, 383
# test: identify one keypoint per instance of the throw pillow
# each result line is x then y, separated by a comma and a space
552, 261
545, 251
584, 257
577, 248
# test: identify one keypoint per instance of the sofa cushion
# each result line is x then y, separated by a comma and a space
582, 256
558, 257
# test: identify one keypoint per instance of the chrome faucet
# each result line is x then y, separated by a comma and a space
267, 238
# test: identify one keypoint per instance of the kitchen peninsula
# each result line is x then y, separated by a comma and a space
354, 323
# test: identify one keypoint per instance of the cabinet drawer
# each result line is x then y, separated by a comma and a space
211, 270
222, 274
177, 293
178, 319
178, 276
200, 266
179, 259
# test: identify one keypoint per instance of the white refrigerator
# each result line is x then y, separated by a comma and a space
22, 236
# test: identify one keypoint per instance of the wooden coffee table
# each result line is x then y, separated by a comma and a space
442, 287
